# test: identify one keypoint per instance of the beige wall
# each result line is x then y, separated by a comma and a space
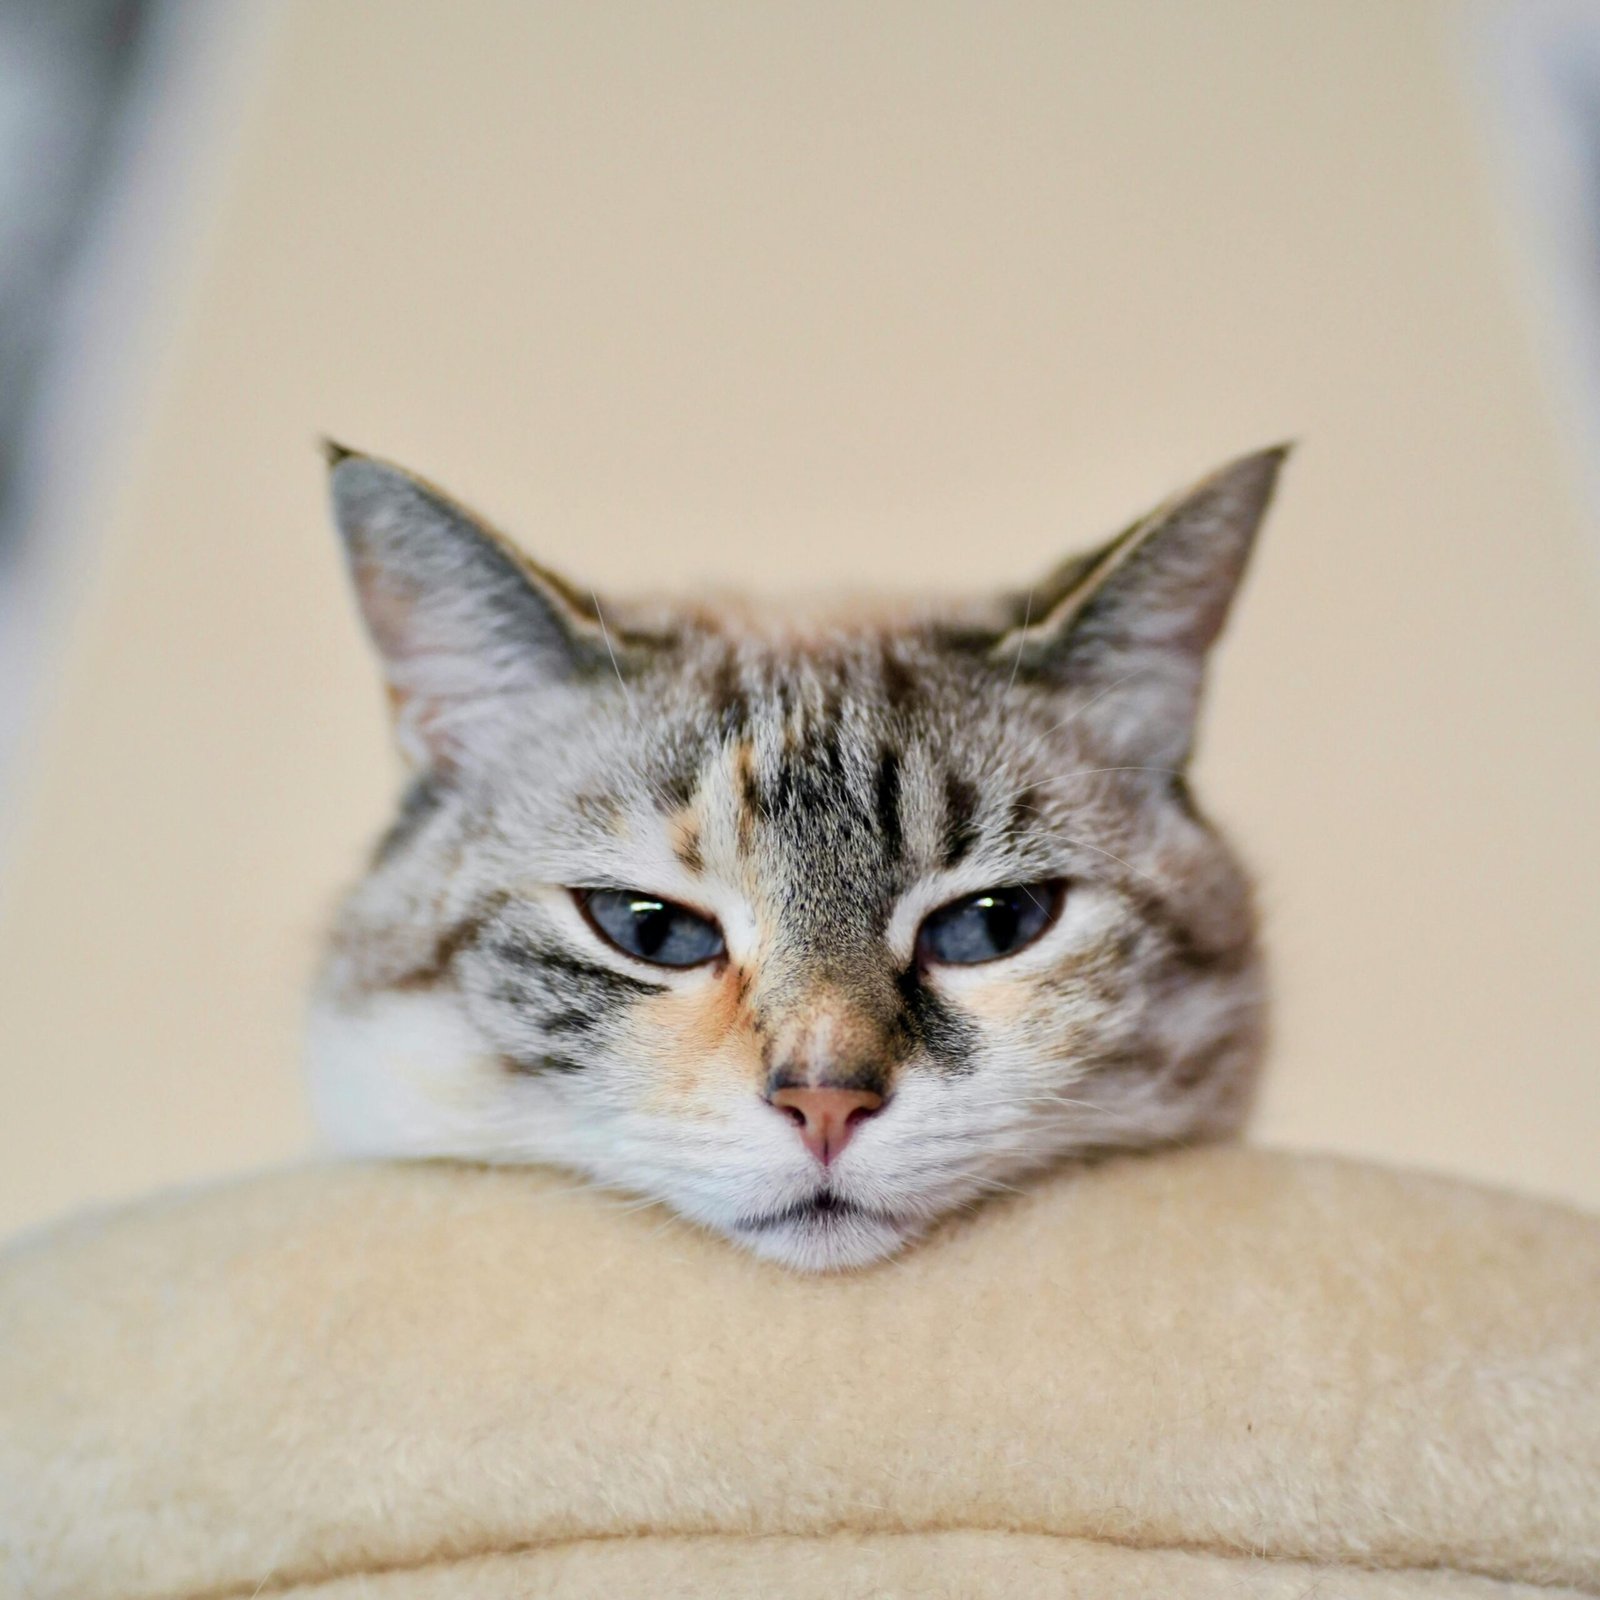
784, 294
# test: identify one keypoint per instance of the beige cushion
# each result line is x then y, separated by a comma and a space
1218, 1373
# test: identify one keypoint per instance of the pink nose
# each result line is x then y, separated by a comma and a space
826, 1118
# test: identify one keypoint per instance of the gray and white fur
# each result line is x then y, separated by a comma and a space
812, 782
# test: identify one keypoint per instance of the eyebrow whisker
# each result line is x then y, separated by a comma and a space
1022, 639
1078, 711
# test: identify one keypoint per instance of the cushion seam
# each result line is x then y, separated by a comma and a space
272, 1584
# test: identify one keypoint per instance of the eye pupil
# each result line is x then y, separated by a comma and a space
1002, 921
652, 923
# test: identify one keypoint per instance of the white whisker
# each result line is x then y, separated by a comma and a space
1022, 639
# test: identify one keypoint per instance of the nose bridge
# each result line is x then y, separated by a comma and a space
825, 1034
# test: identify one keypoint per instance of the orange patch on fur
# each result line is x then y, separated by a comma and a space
745, 790
683, 833
697, 1039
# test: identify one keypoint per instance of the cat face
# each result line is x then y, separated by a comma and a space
815, 925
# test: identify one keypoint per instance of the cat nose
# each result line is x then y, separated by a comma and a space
826, 1118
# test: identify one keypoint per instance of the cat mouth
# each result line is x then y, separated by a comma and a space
822, 1209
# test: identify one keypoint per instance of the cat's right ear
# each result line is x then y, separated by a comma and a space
460, 618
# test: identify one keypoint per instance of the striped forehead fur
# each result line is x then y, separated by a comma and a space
814, 783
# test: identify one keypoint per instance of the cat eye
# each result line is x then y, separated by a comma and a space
649, 928
989, 924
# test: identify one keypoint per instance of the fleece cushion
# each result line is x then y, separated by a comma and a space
1213, 1373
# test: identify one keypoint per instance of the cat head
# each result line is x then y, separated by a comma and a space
814, 924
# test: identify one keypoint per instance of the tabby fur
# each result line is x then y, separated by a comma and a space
817, 779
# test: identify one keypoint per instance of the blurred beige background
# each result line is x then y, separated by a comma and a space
810, 293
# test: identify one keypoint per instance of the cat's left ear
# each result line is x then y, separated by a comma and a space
463, 622
1130, 625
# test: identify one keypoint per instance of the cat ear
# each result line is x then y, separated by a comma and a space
461, 619
1131, 623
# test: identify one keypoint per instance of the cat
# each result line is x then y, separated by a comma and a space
816, 924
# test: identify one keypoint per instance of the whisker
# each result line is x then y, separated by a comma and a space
1089, 772
605, 633
1022, 639
1077, 1105
1143, 877
663, 800
993, 1185
1083, 844
1078, 711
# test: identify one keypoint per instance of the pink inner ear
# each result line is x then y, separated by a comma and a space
387, 608
390, 613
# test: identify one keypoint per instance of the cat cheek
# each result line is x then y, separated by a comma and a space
697, 1044
995, 1002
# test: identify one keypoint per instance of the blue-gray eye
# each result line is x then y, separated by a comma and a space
653, 929
989, 924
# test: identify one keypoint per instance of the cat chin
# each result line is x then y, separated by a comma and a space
827, 1242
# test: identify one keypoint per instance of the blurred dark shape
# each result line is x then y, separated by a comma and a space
67, 68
